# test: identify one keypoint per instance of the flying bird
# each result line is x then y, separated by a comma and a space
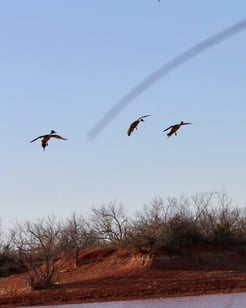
174, 128
46, 138
164, 70
134, 124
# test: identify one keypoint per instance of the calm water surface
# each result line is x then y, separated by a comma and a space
235, 300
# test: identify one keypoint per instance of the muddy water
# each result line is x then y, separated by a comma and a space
235, 300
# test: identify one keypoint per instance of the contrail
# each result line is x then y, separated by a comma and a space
163, 71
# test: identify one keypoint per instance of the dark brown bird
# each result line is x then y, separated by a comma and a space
134, 124
46, 138
174, 128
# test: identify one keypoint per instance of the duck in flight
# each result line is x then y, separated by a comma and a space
134, 124
46, 138
174, 128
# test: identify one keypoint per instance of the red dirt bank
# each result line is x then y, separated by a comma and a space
117, 274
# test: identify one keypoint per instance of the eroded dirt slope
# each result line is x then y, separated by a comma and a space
119, 274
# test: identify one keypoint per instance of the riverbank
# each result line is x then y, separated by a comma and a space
112, 274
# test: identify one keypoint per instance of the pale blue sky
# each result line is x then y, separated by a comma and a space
64, 64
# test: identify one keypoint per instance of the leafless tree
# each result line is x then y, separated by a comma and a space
149, 228
163, 224
8, 261
218, 218
77, 235
109, 222
37, 246
1, 237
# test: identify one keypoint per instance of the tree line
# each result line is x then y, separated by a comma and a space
34, 247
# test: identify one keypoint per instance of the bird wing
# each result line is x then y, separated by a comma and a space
145, 116
134, 124
168, 128
58, 137
37, 138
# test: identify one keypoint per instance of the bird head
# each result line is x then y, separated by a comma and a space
52, 131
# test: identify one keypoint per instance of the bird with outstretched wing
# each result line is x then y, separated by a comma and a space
173, 128
134, 124
46, 138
